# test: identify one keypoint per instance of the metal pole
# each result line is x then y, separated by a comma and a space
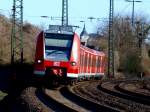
133, 14
21, 30
17, 32
140, 42
133, 5
64, 12
13, 32
111, 41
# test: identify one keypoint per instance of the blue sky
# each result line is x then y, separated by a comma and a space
79, 10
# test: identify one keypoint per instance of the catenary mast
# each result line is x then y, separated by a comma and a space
64, 12
111, 41
17, 32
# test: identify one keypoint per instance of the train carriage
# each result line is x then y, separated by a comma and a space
60, 55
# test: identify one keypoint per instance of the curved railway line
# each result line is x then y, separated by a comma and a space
106, 96
120, 90
113, 99
138, 101
88, 96
60, 99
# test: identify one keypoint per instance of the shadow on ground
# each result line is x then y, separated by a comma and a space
13, 79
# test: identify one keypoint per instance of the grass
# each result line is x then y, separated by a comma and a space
2, 95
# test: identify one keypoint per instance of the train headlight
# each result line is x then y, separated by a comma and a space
59, 32
39, 61
73, 63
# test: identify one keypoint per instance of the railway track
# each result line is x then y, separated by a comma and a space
45, 100
60, 99
31, 102
121, 91
112, 97
83, 102
138, 96
85, 96
134, 99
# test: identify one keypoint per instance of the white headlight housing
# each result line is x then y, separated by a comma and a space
39, 61
73, 63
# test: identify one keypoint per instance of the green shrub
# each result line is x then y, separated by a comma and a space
132, 63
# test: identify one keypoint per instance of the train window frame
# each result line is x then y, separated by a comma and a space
62, 48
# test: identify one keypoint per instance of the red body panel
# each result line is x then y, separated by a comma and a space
39, 53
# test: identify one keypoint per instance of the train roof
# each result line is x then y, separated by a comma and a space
57, 29
92, 51
59, 32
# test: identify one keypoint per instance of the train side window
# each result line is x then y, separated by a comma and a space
101, 64
93, 62
80, 57
82, 61
85, 62
89, 63
98, 66
103, 61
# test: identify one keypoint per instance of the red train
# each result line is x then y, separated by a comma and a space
61, 56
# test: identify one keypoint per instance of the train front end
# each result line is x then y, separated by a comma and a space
57, 56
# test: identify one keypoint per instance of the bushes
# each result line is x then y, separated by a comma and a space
129, 60
29, 39
132, 63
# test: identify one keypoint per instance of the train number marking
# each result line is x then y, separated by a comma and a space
56, 63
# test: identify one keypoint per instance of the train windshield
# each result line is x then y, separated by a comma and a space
58, 46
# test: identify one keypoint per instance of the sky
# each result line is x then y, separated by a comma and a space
79, 10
